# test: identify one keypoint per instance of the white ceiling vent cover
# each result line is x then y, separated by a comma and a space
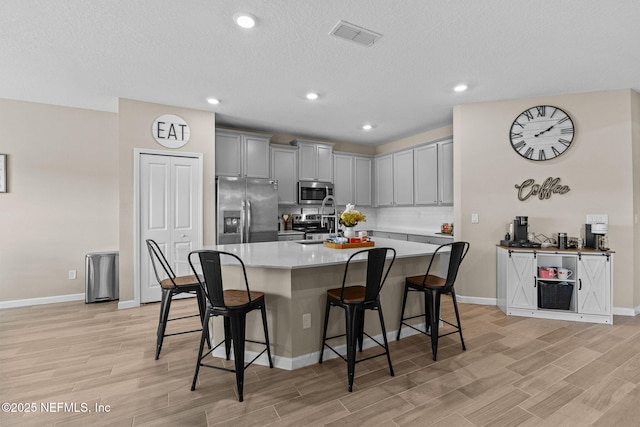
351, 32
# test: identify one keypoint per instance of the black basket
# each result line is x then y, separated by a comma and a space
554, 295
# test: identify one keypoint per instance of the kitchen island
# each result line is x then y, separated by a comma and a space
295, 278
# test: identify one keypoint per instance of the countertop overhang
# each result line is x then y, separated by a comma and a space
292, 255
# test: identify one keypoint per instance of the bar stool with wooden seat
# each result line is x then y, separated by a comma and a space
233, 305
355, 300
172, 285
433, 288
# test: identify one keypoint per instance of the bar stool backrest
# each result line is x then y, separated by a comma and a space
211, 264
458, 252
157, 257
376, 274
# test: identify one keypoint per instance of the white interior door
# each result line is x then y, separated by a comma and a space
170, 214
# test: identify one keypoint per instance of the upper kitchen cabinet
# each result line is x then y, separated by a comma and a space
403, 178
445, 172
242, 154
315, 161
352, 179
284, 169
384, 180
433, 173
394, 179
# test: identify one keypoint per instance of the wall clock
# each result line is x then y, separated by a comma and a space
541, 133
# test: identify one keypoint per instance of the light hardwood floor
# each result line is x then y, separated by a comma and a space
516, 371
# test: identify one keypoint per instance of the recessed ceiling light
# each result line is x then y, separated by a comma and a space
461, 87
367, 126
312, 96
213, 101
245, 20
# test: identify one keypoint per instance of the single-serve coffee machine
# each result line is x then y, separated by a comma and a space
518, 234
520, 229
595, 236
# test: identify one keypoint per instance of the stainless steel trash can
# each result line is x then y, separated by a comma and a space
101, 277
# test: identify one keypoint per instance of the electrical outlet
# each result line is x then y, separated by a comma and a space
73, 274
306, 321
474, 218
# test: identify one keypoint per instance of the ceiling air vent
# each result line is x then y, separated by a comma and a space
348, 31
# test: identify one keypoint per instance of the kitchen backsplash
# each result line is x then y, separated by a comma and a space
414, 218
410, 218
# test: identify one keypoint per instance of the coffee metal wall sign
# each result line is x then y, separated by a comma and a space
171, 131
544, 191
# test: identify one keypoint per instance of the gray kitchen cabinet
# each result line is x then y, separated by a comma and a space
433, 173
425, 161
362, 181
383, 181
429, 239
403, 178
445, 172
586, 296
389, 235
394, 179
315, 161
343, 178
242, 154
352, 179
284, 169
290, 237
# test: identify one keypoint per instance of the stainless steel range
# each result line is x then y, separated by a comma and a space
311, 224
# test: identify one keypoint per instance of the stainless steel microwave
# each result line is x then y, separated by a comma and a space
313, 192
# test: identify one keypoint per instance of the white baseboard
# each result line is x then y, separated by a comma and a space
43, 300
477, 300
127, 304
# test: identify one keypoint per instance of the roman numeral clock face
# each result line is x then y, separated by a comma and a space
541, 133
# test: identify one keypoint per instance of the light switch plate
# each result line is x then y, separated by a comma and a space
306, 321
73, 274
474, 218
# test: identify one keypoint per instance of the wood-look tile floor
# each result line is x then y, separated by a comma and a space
516, 371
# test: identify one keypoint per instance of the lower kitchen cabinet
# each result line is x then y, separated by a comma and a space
525, 288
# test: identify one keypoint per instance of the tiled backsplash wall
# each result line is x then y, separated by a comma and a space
409, 218
413, 218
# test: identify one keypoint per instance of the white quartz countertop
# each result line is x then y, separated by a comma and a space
292, 255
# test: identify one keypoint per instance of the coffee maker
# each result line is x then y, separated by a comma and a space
520, 229
595, 236
518, 237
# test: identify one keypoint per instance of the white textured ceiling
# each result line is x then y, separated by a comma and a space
89, 53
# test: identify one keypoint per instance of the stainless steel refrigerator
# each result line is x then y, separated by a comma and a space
247, 210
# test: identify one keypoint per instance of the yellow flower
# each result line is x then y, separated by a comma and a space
351, 218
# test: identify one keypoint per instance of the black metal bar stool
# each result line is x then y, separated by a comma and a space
173, 285
233, 305
433, 288
355, 300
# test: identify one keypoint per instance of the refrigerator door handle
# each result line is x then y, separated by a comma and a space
248, 219
242, 221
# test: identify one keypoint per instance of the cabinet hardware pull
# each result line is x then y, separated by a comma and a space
579, 284
535, 282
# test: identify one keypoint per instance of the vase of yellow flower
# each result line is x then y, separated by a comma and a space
350, 218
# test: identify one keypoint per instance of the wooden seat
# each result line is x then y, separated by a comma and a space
433, 288
355, 300
172, 285
233, 305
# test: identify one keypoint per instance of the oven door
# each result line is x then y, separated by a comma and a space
313, 192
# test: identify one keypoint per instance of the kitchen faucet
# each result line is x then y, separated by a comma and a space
334, 216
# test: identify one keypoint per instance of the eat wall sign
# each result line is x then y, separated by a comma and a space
171, 131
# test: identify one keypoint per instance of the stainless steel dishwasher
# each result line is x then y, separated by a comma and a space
101, 277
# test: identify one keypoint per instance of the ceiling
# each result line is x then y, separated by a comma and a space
88, 54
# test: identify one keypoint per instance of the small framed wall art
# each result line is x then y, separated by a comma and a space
3, 173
